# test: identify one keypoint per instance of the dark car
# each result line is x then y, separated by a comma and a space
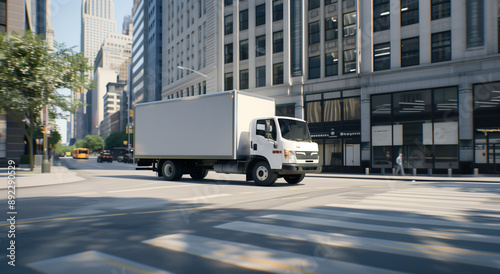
105, 156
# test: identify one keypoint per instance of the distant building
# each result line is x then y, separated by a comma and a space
112, 105
97, 22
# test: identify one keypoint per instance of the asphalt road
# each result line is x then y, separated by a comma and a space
120, 220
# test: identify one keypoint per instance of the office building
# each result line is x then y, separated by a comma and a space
373, 78
146, 64
19, 15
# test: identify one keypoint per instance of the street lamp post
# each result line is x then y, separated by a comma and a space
192, 70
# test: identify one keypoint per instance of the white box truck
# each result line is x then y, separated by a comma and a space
228, 132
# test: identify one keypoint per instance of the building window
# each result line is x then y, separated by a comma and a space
260, 46
243, 19
260, 76
350, 61
228, 2
314, 67
475, 23
331, 64
277, 10
409, 12
313, 4
314, 33
244, 79
228, 81
381, 15
440, 9
260, 15
350, 24
382, 56
3, 16
228, 24
204, 87
244, 50
441, 46
278, 74
278, 42
228, 53
328, 2
331, 28
410, 52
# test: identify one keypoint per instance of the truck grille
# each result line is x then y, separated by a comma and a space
307, 155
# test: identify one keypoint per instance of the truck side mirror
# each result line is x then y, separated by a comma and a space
268, 129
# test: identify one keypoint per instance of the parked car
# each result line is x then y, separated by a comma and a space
105, 156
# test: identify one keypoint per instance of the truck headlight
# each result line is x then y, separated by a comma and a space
290, 156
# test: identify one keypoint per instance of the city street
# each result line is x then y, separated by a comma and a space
120, 220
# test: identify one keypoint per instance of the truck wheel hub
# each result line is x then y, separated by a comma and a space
262, 173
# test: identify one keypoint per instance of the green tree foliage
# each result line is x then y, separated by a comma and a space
30, 75
92, 142
54, 138
115, 140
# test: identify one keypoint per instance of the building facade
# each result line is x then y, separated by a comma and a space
146, 63
373, 78
20, 15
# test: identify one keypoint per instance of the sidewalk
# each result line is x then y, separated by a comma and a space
25, 178
481, 178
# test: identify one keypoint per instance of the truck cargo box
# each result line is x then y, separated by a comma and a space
213, 126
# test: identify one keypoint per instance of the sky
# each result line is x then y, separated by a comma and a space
65, 17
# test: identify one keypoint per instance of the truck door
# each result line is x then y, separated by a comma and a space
265, 143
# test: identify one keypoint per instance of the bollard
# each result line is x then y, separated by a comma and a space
476, 171
382, 170
367, 171
429, 171
393, 171
450, 172
414, 172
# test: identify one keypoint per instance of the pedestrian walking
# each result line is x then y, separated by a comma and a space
399, 162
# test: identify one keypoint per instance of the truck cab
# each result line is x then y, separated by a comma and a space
286, 144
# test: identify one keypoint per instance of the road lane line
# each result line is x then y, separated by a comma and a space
204, 197
388, 229
255, 257
92, 262
78, 194
457, 255
145, 188
57, 216
386, 218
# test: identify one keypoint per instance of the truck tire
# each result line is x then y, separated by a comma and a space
171, 170
198, 173
263, 175
294, 179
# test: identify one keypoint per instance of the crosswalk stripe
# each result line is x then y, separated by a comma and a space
378, 217
429, 201
388, 229
450, 254
254, 257
426, 205
448, 192
447, 198
204, 197
92, 262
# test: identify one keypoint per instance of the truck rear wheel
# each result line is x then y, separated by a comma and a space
294, 179
263, 175
171, 170
198, 173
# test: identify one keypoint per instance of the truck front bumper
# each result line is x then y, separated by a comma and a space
291, 169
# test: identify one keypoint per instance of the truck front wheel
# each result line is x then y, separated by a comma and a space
294, 179
263, 175
171, 170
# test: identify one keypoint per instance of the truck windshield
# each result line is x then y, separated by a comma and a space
294, 130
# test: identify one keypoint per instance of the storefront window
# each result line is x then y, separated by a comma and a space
333, 153
352, 108
412, 105
446, 104
332, 111
313, 112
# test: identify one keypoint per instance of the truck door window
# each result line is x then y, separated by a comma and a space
261, 129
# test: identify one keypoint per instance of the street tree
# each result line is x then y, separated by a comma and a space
31, 74
92, 142
115, 139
